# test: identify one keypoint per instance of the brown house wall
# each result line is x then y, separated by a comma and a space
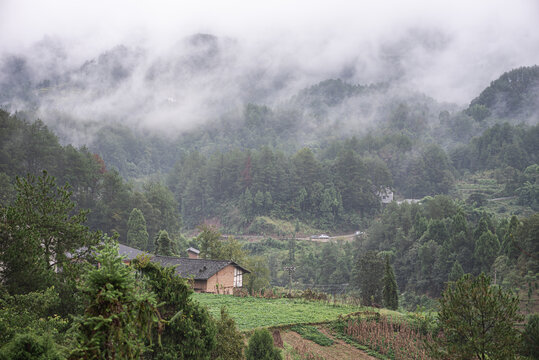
225, 279
200, 285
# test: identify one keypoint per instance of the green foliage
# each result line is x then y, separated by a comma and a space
477, 320
229, 340
390, 292
259, 278
456, 272
478, 111
163, 244
486, 250
370, 270
313, 334
120, 314
511, 95
189, 331
253, 312
31, 313
261, 347
31, 346
38, 232
7, 191
163, 209
530, 337
209, 241
137, 236
500, 146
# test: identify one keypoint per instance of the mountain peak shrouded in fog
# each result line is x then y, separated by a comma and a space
170, 66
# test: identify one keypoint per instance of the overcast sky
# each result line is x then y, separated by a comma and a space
449, 50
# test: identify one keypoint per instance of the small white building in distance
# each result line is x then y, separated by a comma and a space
386, 195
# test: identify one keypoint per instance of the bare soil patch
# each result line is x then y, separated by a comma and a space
338, 351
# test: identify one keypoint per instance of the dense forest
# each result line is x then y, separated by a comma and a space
278, 175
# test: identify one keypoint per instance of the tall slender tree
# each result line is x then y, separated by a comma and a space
137, 235
389, 292
163, 244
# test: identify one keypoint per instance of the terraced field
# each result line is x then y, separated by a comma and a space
250, 312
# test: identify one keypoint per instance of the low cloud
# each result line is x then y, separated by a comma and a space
142, 64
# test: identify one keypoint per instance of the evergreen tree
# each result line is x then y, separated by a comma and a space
28, 345
456, 272
246, 204
163, 244
137, 235
37, 232
390, 292
477, 320
486, 250
508, 246
229, 339
119, 315
369, 273
261, 347
189, 331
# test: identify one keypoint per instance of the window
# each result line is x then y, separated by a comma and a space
238, 277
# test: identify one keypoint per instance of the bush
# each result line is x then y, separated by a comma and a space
229, 340
530, 337
261, 347
30, 346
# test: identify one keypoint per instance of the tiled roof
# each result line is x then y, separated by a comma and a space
129, 252
198, 269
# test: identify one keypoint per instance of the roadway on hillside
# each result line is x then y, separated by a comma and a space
258, 238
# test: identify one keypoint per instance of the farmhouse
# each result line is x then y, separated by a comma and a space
211, 276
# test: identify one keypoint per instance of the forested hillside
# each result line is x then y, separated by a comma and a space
307, 166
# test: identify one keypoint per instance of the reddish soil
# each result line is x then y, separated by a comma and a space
310, 350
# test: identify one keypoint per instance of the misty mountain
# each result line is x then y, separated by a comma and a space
513, 95
142, 111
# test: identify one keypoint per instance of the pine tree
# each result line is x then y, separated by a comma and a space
120, 314
456, 272
190, 331
390, 296
369, 273
486, 250
163, 244
477, 321
137, 235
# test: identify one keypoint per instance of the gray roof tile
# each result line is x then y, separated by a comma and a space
198, 269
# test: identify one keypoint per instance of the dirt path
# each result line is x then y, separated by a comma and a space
338, 351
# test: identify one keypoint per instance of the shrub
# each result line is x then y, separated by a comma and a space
30, 346
229, 340
530, 337
261, 347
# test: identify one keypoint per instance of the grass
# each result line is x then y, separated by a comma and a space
250, 312
313, 334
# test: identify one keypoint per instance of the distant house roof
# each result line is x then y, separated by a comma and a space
198, 269
129, 252
193, 250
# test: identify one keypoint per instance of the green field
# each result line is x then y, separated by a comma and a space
250, 312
